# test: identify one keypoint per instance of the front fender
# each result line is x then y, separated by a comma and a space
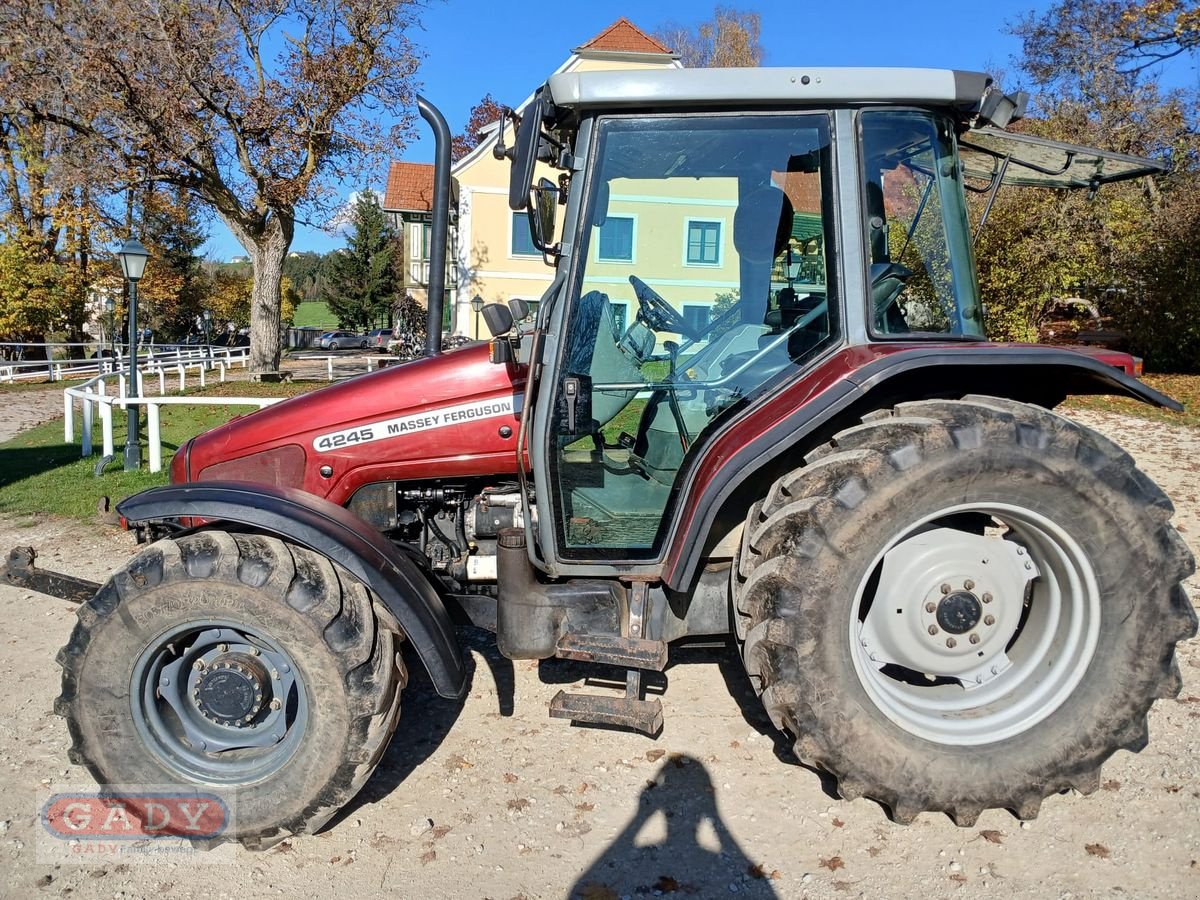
336, 533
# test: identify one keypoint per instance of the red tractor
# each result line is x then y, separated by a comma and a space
756, 401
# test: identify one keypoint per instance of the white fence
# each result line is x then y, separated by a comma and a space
59, 369
373, 362
94, 399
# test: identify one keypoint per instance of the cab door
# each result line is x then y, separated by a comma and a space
701, 274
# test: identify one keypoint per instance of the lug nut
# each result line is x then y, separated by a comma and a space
198, 665
222, 648
989, 620
987, 598
933, 629
276, 703
968, 584
946, 589
974, 639
930, 606
951, 643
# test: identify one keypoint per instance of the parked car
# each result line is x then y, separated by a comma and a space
342, 340
379, 337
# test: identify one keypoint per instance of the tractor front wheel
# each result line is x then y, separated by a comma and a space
960, 605
239, 664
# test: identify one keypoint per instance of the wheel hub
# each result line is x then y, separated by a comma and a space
226, 691
959, 612
947, 604
231, 691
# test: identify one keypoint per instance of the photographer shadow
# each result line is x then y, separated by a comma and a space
684, 845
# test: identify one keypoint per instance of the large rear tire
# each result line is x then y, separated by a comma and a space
237, 663
961, 605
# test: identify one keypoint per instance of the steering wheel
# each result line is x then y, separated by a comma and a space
657, 313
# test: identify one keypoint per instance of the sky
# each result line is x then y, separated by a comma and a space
476, 47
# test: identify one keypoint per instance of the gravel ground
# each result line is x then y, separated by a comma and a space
490, 798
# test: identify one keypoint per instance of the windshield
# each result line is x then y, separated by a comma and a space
922, 269
705, 254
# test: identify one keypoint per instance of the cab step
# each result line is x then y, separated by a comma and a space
613, 650
645, 716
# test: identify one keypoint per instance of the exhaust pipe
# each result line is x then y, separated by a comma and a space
441, 225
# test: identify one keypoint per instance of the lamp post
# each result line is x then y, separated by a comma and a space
206, 317
477, 305
110, 306
133, 258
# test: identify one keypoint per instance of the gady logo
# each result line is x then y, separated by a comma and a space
100, 816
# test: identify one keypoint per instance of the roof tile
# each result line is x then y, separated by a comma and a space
622, 36
409, 187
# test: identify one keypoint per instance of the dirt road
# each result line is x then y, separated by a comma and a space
491, 798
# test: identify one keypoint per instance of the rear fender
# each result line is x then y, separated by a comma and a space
1039, 375
336, 533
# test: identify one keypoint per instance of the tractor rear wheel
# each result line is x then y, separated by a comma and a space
960, 605
239, 664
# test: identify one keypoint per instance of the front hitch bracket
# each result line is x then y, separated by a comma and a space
20, 570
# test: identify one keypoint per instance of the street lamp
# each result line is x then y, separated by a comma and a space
477, 305
133, 258
206, 317
110, 307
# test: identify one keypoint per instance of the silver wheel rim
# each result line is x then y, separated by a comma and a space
989, 681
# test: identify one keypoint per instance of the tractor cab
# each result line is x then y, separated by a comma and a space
715, 249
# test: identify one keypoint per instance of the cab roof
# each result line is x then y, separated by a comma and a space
768, 87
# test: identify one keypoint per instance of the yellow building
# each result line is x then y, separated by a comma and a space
495, 255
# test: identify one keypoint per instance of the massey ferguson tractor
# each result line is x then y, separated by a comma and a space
755, 401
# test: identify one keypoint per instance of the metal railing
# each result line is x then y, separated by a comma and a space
95, 400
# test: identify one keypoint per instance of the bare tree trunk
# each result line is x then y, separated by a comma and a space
268, 248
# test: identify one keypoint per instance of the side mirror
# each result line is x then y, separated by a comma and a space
519, 307
497, 318
525, 153
543, 210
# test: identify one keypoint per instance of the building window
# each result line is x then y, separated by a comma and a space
522, 240
703, 243
420, 240
696, 317
616, 239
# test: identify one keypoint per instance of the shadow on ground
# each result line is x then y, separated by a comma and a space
676, 842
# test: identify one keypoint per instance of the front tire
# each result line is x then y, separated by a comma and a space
960, 605
235, 662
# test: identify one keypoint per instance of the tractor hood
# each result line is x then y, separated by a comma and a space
447, 416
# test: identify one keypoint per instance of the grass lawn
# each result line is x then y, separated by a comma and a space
41, 475
1184, 388
314, 315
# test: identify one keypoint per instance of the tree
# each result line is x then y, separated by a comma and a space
255, 106
35, 290
482, 114
230, 295
1040, 245
173, 288
48, 208
362, 278
730, 38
